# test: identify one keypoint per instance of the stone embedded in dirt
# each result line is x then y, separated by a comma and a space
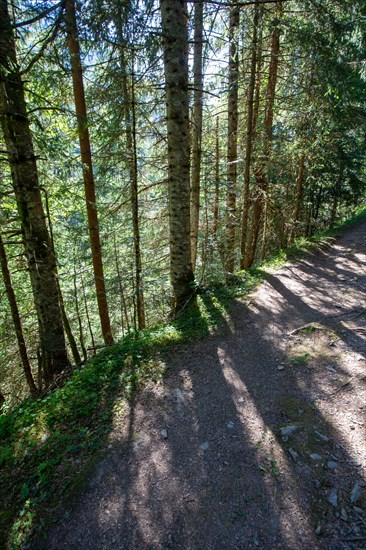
317, 483
205, 446
230, 425
280, 367
164, 433
293, 454
315, 456
287, 431
333, 498
344, 514
330, 368
356, 493
321, 436
241, 400
178, 395
332, 465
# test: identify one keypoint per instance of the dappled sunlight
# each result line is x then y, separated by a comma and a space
255, 438
271, 458
245, 406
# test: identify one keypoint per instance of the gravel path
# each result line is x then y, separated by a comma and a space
257, 437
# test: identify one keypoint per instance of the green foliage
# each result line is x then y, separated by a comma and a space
48, 441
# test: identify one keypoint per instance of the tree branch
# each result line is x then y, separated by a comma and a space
37, 17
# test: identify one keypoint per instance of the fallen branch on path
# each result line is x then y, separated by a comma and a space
357, 310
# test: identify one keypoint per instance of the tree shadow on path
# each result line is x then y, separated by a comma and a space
202, 462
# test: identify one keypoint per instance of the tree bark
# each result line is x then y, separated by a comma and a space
130, 123
80, 324
299, 196
86, 159
232, 137
41, 261
175, 40
65, 319
217, 180
249, 138
197, 126
124, 311
261, 170
16, 319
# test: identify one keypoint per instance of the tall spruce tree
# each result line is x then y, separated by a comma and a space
175, 42
40, 258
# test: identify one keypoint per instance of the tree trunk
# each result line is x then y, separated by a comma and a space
130, 123
94, 347
174, 24
249, 138
197, 126
217, 181
65, 320
41, 262
261, 170
86, 159
265, 229
80, 324
232, 137
16, 319
298, 201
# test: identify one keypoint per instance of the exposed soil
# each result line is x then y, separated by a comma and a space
201, 461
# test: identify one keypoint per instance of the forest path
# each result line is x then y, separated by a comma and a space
256, 438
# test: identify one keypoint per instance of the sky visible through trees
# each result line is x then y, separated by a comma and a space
149, 148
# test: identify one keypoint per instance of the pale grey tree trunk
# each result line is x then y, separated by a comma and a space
175, 40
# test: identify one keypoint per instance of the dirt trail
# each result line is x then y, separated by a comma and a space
257, 437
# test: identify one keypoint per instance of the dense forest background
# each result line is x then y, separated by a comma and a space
150, 149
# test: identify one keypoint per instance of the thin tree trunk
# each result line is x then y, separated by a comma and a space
299, 196
121, 290
16, 319
130, 123
197, 126
232, 137
88, 316
86, 159
217, 181
206, 237
249, 138
77, 309
261, 171
174, 24
65, 320
318, 202
41, 262
265, 230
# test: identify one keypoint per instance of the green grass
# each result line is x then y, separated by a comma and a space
49, 446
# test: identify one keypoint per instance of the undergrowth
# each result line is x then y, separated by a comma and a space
47, 444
